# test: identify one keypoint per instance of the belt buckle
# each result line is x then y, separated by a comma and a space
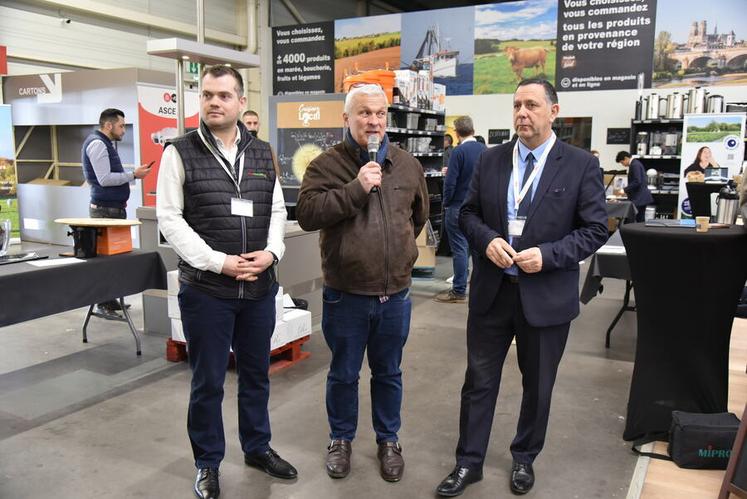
513, 278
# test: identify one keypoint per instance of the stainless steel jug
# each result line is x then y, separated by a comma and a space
675, 106
715, 104
653, 107
727, 205
697, 100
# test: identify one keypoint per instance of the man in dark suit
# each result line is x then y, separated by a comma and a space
535, 209
637, 188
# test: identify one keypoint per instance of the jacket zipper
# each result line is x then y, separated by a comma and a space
386, 241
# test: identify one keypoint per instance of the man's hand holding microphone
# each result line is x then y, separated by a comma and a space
370, 174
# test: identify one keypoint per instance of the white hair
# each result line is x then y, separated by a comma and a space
367, 89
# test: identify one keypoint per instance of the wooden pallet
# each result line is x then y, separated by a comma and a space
280, 358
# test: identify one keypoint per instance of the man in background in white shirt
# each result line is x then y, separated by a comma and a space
221, 207
103, 170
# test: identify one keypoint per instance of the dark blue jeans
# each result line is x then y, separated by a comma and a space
212, 326
459, 250
353, 324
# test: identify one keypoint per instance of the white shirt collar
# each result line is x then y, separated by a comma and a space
471, 138
235, 141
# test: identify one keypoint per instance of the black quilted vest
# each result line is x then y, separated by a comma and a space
208, 190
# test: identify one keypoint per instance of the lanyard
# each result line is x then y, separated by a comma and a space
224, 161
519, 195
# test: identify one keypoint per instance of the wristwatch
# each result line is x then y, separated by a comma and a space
274, 258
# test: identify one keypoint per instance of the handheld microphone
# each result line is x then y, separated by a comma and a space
373, 150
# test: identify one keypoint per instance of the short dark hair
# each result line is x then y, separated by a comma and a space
223, 70
249, 112
464, 126
110, 114
550, 93
621, 156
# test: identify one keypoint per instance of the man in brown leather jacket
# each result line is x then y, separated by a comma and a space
368, 250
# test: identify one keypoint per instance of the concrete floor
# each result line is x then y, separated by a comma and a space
93, 420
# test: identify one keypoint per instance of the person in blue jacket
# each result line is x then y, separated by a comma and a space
637, 189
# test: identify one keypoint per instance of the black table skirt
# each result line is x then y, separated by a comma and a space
30, 292
687, 285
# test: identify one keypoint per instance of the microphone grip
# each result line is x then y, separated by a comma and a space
372, 157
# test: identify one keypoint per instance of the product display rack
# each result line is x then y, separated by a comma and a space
421, 132
668, 165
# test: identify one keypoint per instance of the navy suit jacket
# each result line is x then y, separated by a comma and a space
567, 220
637, 189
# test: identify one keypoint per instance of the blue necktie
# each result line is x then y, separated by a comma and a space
527, 201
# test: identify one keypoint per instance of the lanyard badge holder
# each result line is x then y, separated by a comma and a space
516, 224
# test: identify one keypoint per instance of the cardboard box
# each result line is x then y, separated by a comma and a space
114, 240
177, 331
298, 323
173, 305
49, 181
279, 335
426, 257
279, 305
172, 282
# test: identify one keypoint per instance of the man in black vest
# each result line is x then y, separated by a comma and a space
221, 208
110, 183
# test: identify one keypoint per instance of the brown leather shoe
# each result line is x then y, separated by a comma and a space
392, 464
338, 458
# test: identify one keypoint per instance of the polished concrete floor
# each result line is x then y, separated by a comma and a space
93, 420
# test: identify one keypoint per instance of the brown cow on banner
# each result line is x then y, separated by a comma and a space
534, 57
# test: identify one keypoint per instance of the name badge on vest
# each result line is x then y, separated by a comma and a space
516, 226
242, 207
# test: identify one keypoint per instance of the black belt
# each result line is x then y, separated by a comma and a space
513, 279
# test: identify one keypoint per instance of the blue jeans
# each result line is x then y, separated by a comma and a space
351, 324
459, 250
212, 326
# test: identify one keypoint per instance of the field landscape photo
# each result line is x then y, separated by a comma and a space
709, 129
522, 31
366, 43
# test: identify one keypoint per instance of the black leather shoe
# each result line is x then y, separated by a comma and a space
206, 483
522, 478
338, 458
457, 481
272, 464
392, 465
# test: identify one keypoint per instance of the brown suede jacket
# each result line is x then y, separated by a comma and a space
367, 239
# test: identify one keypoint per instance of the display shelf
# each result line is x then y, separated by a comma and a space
427, 154
412, 131
421, 132
666, 121
662, 156
401, 107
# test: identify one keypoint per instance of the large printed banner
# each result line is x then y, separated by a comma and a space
305, 130
303, 59
605, 44
717, 140
578, 45
8, 179
157, 122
